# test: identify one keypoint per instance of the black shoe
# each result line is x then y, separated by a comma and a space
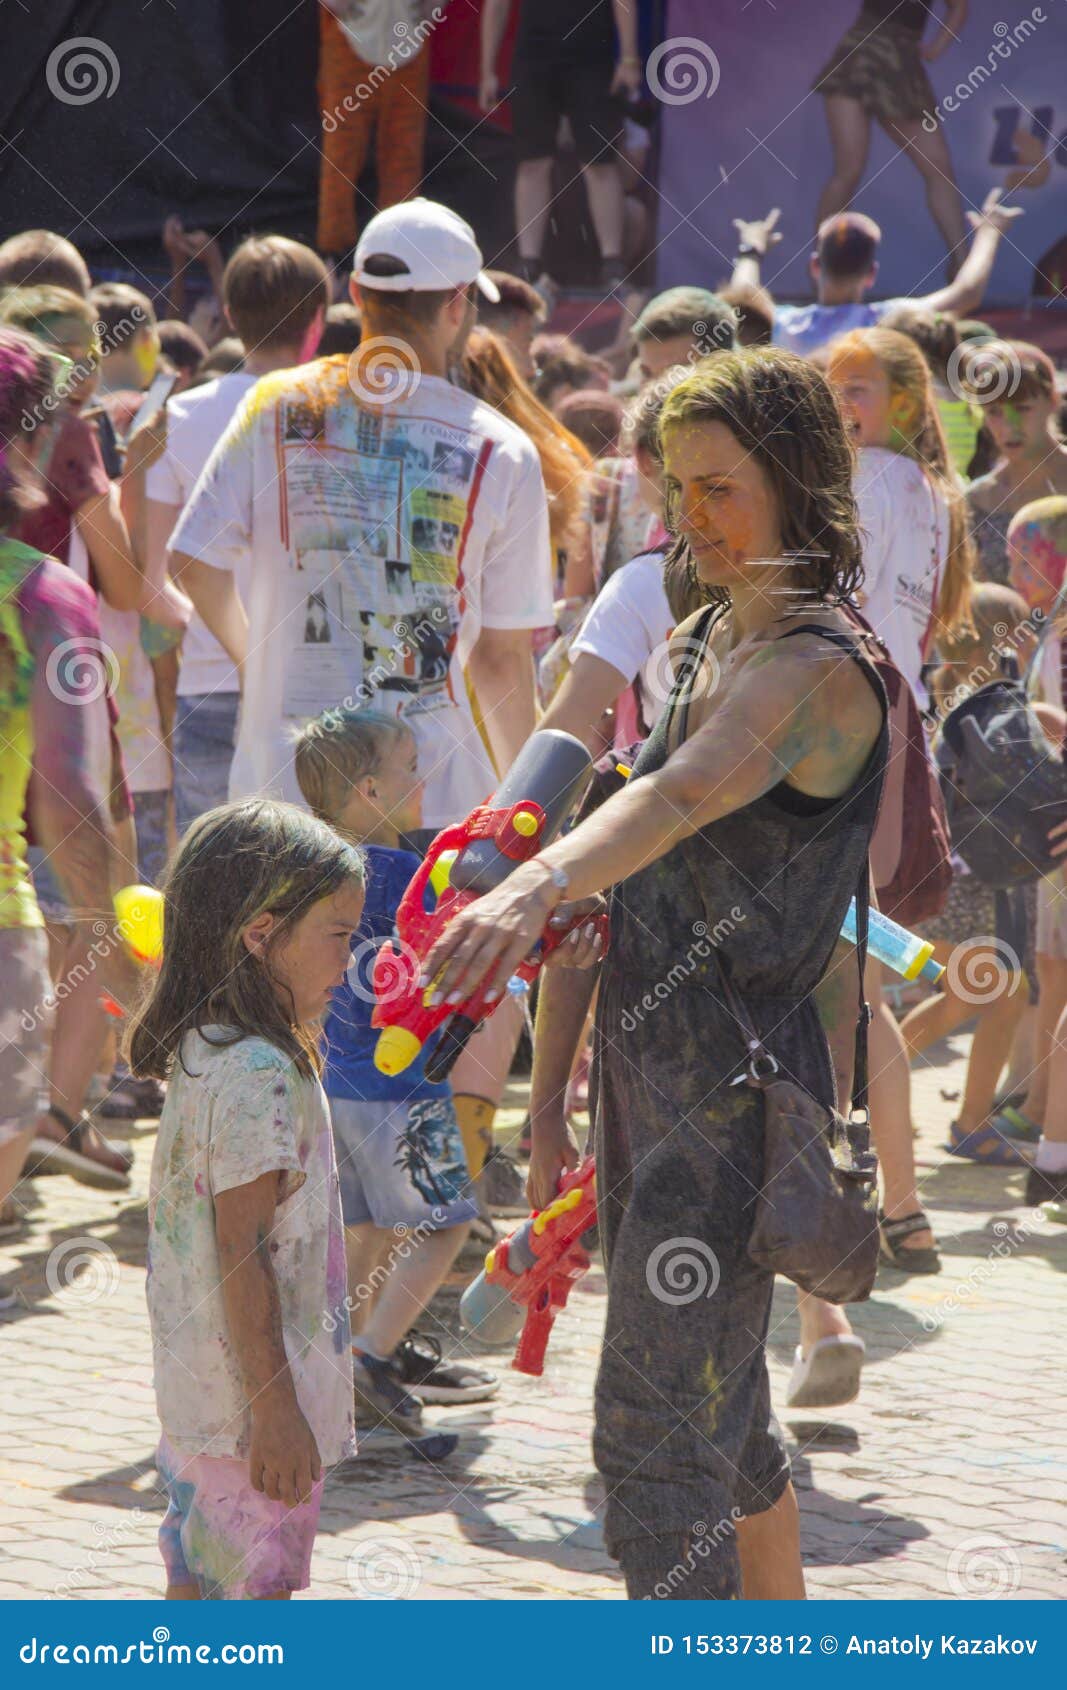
1045, 1188
381, 1398
419, 1366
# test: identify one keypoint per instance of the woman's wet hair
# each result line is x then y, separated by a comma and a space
784, 413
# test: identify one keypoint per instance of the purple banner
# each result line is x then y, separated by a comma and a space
750, 89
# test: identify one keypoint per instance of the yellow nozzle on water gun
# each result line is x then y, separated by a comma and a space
396, 1050
442, 869
624, 769
140, 913
525, 823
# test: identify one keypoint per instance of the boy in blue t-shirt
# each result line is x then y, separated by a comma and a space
405, 1195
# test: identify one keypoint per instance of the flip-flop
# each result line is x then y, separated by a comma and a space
985, 1145
829, 1375
1015, 1124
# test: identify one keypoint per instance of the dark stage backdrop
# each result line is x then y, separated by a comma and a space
209, 109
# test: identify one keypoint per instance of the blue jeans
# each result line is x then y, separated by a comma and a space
205, 731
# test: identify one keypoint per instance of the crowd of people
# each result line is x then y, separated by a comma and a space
283, 592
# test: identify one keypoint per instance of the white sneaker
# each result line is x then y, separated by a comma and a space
829, 1374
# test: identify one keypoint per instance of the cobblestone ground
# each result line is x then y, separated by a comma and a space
948, 1477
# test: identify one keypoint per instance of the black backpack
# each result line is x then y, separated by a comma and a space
1002, 783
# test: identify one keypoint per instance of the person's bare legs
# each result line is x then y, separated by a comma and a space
769, 1547
930, 155
890, 1103
367, 1250
417, 1273
603, 184
850, 138
12, 1155
392, 1279
1052, 996
80, 1029
998, 1019
533, 196
820, 1320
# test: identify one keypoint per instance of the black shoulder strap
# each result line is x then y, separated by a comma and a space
691, 659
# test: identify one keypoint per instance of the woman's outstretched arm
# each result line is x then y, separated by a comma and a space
792, 707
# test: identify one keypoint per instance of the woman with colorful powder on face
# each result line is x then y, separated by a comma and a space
752, 800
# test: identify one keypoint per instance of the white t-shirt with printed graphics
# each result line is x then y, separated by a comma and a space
904, 528
376, 542
195, 422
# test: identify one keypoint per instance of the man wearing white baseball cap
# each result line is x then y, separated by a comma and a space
420, 244
412, 515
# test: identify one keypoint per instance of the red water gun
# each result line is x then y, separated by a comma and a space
464, 861
535, 1268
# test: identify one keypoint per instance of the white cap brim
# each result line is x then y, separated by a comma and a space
488, 288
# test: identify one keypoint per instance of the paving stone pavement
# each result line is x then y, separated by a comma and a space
948, 1477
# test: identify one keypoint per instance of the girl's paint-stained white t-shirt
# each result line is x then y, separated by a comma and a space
241, 1111
904, 530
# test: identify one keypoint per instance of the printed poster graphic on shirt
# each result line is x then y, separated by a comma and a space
375, 505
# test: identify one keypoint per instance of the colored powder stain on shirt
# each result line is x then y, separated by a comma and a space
712, 1386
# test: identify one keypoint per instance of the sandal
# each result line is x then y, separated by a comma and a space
1014, 1123
891, 1236
70, 1156
985, 1145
